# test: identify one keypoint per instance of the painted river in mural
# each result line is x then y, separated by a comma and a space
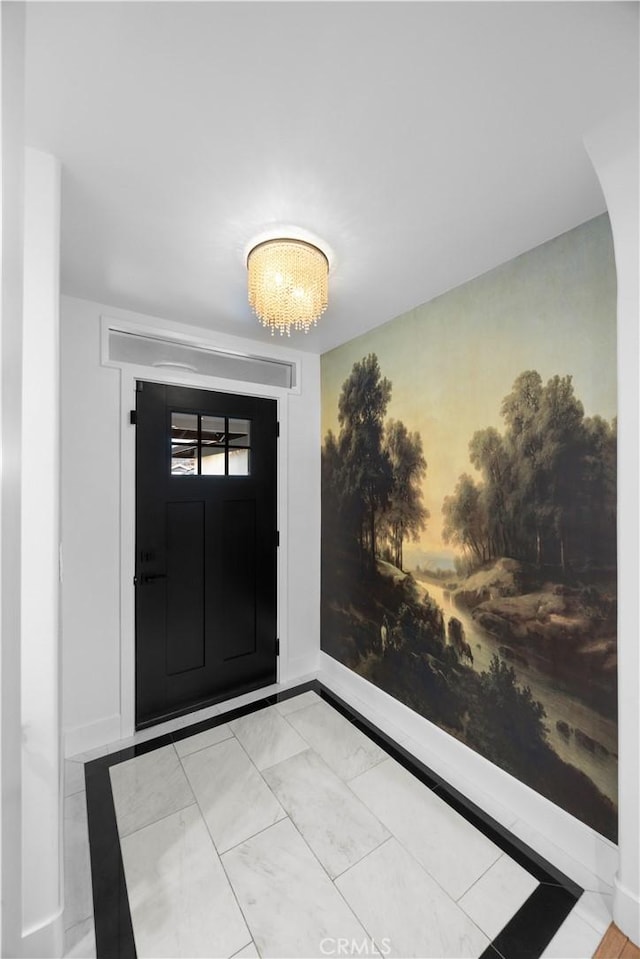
559, 706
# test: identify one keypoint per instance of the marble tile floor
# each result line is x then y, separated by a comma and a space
286, 828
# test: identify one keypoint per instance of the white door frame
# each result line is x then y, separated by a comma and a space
129, 374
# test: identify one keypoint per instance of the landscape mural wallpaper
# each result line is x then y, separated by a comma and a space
469, 516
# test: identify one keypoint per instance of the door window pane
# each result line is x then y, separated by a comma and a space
205, 445
238, 462
214, 430
239, 432
184, 444
213, 461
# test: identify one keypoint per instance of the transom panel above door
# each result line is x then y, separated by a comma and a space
206, 544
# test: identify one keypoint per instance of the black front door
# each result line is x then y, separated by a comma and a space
205, 548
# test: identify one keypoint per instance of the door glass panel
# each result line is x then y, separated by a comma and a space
238, 462
239, 432
184, 444
207, 445
213, 461
213, 430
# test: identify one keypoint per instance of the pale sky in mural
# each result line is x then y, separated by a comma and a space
451, 361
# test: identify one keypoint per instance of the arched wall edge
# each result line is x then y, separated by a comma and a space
613, 151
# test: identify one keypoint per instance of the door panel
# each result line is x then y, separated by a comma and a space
205, 548
238, 538
185, 586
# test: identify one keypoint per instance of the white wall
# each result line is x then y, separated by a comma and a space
30, 760
614, 152
90, 480
41, 769
303, 520
93, 415
12, 17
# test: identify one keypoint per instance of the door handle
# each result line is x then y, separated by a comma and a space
149, 578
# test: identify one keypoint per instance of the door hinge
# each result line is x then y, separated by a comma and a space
277, 647
277, 429
133, 417
277, 537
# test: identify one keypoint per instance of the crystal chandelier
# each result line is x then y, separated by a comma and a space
288, 281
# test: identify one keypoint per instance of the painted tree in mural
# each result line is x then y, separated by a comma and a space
493, 530
365, 468
598, 492
465, 519
547, 489
406, 515
523, 443
371, 473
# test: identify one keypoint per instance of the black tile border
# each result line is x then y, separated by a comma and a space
524, 937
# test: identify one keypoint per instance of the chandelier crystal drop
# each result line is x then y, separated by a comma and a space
288, 284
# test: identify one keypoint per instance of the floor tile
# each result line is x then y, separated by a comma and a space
73, 777
180, 899
405, 910
575, 939
234, 798
337, 826
184, 747
448, 847
497, 895
80, 940
291, 705
290, 904
324, 837
267, 737
78, 899
147, 788
249, 952
343, 747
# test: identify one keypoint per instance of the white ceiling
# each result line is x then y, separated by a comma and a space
424, 142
